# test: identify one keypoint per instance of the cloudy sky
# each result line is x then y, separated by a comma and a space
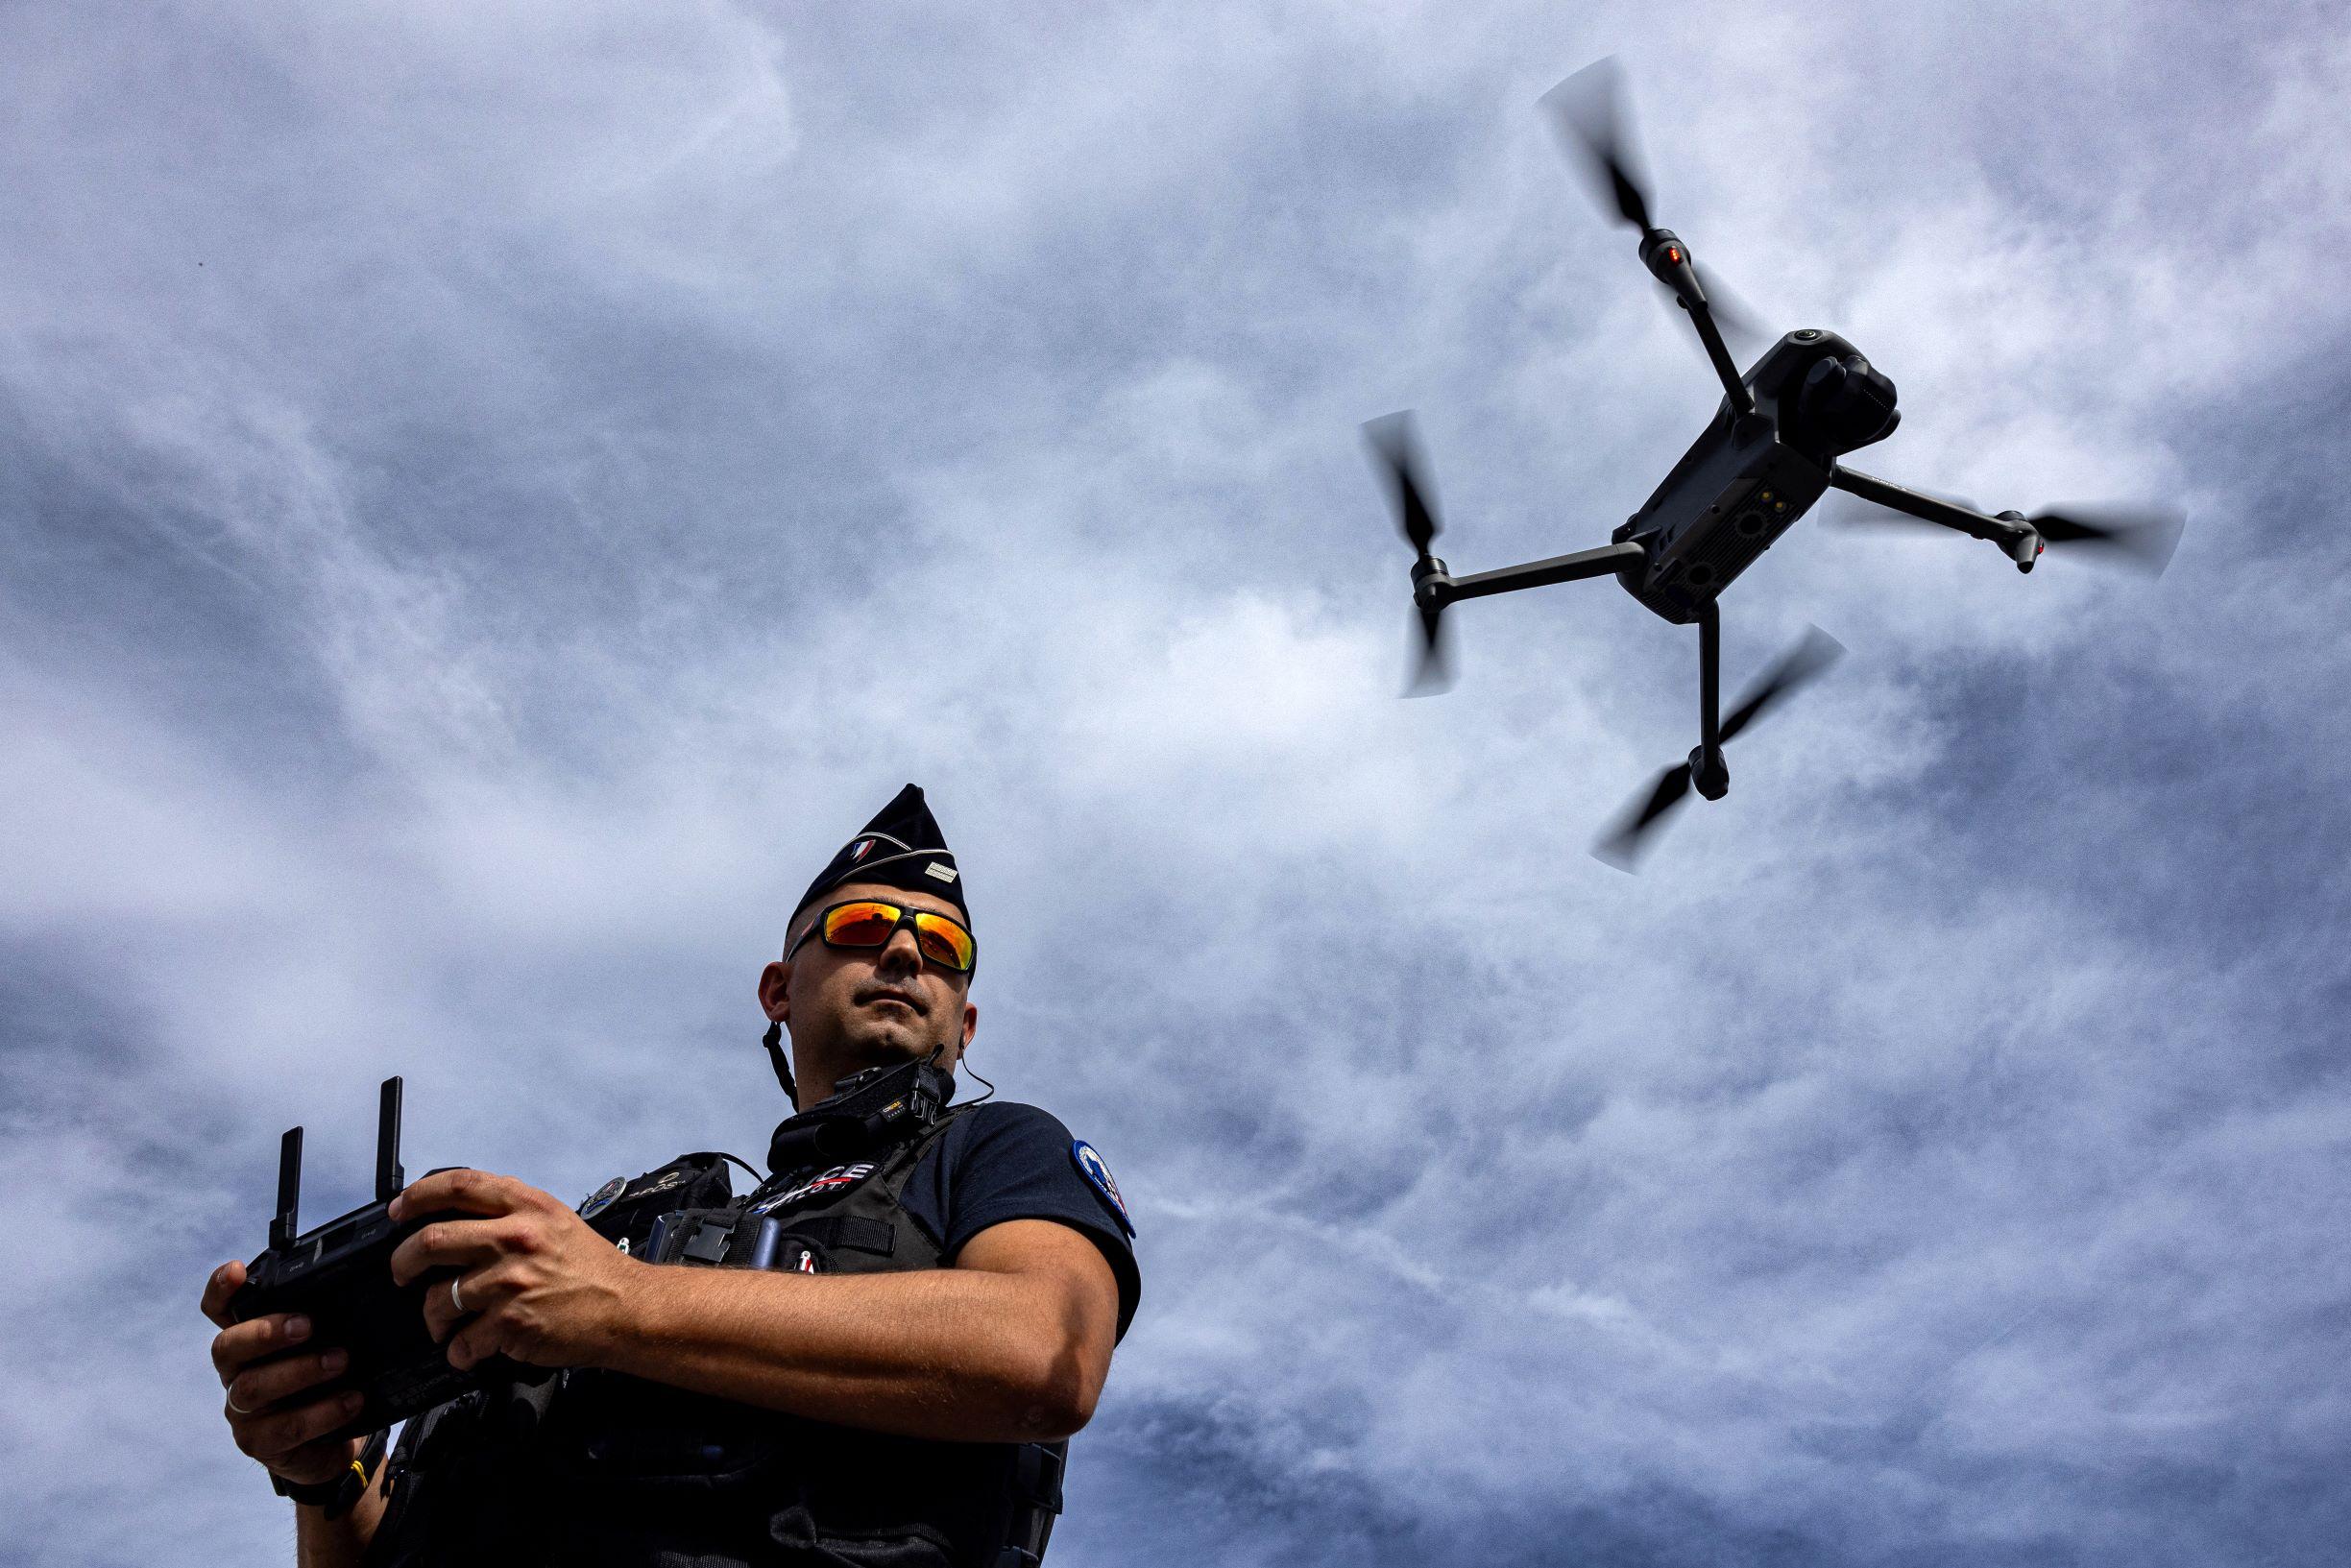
491, 495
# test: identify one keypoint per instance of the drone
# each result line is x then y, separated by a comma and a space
1770, 453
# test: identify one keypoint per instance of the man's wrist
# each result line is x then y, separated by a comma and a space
335, 1495
637, 1316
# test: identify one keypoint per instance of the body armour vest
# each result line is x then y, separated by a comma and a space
597, 1467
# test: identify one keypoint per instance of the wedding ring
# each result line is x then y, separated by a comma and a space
456, 1301
234, 1406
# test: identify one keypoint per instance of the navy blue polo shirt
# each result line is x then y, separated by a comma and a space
1003, 1160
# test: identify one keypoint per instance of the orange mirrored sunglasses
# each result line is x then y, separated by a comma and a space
870, 923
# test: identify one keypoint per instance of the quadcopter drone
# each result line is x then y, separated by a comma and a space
1771, 451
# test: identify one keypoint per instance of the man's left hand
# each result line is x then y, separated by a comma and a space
533, 1281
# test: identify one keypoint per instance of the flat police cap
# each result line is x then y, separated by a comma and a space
901, 847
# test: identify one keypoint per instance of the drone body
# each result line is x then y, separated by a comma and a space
1769, 454
1749, 476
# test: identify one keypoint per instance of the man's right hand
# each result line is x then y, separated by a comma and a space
267, 1368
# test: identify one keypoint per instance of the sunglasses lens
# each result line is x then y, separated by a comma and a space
872, 925
861, 924
943, 941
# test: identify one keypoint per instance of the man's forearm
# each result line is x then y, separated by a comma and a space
321, 1542
963, 1355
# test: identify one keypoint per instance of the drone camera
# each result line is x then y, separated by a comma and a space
1846, 402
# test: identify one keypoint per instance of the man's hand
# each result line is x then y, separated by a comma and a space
532, 1280
266, 1366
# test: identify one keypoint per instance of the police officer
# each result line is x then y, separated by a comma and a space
872, 1358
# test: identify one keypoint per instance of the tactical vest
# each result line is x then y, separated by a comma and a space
596, 1467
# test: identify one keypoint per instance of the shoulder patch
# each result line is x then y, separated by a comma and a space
1097, 1176
659, 1182
602, 1199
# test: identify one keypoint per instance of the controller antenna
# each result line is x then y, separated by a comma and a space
388, 1178
283, 1227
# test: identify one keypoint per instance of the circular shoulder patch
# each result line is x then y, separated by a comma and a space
601, 1199
1097, 1176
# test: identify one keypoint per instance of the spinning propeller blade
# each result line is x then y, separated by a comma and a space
1814, 652
1624, 843
1395, 441
2140, 538
1588, 111
1433, 664
1621, 846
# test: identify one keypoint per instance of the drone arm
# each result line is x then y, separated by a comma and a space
1668, 260
1606, 560
1928, 508
1742, 401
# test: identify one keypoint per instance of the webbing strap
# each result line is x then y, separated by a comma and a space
1036, 1475
1036, 1489
854, 1232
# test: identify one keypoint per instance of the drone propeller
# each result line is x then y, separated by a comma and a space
1433, 668
2140, 538
2137, 537
1623, 844
1588, 111
1397, 442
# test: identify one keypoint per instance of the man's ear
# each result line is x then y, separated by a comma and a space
971, 1026
774, 981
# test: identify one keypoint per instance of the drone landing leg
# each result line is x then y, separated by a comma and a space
1709, 770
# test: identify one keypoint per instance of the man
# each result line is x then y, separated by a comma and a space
881, 1372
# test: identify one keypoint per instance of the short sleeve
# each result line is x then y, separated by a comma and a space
1007, 1161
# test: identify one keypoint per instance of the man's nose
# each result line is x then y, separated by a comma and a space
902, 954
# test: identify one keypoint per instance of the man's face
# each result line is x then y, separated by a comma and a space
870, 1006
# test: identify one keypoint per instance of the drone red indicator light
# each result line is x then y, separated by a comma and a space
1673, 254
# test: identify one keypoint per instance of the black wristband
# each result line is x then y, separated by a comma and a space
336, 1496
308, 1496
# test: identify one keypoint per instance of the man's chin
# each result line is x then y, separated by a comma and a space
886, 1042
